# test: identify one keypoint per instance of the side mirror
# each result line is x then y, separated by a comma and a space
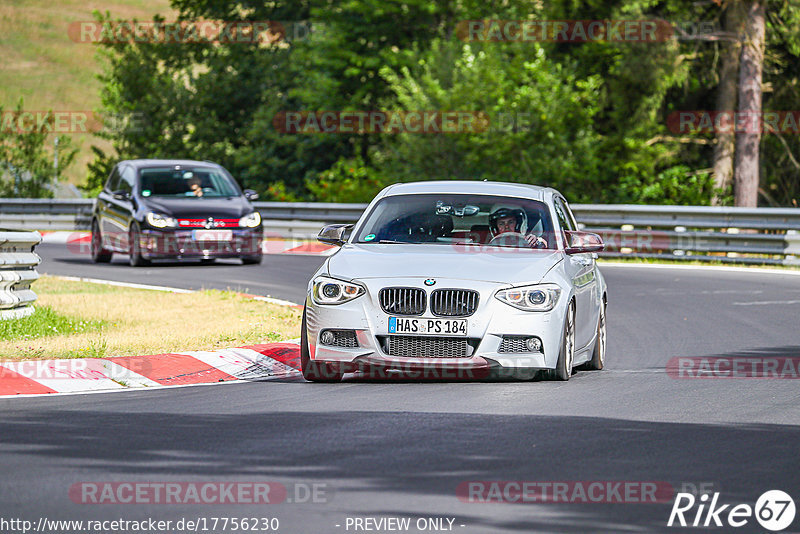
121, 195
579, 242
334, 234
249, 194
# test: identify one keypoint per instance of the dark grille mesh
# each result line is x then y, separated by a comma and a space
427, 347
402, 300
454, 302
342, 338
514, 344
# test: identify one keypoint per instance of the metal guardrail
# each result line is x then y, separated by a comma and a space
736, 235
18, 264
46, 214
703, 233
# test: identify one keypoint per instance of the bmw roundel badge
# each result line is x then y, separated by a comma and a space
430, 282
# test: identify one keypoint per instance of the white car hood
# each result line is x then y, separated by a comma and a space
501, 265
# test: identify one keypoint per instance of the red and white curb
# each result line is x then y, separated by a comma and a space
80, 243
253, 362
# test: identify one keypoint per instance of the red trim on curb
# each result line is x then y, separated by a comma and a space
286, 353
80, 238
309, 248
173, 369
13, 383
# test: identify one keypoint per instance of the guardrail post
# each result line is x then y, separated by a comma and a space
792, 250
18, 264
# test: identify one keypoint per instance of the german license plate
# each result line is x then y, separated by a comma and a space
212, 235
421, 325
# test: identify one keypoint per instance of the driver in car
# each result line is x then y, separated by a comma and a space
513, 220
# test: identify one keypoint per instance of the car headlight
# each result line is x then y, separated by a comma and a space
331, 291
538, 297
250, 221
157, 220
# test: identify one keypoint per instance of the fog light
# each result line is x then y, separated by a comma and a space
534, 344
327, 338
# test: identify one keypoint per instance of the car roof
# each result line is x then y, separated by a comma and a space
475, 187
141, 163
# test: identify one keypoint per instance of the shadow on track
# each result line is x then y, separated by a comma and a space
397, 458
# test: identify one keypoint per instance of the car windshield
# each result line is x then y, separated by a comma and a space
186, 182
458, 218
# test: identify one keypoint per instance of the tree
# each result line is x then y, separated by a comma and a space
539, 118
26, 166
750, 69
726, 96
197, 99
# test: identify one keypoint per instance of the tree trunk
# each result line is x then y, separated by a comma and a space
748, 135
726, 97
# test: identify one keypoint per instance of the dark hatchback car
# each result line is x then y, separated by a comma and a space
175, 209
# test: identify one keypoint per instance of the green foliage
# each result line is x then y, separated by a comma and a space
277, 192
349, 180
98, 172
588, 119
540, 118
677, 185
195, 100
26, 164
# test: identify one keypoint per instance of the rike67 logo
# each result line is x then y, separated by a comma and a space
774, 510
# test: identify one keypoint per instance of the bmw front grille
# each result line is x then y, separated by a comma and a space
403, 300
454, 302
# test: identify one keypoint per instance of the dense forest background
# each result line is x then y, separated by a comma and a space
594, 119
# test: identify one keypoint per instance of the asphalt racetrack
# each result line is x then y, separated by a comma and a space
376, 450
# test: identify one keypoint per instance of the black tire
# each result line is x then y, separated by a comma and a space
566, 355
599, 353
314, 371
134, 247
99, 254
252, 260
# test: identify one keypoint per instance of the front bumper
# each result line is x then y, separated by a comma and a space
180, 244
486, 328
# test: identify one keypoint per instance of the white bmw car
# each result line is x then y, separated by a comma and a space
457, 279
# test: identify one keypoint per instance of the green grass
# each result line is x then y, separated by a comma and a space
41, 64
45, 322
76, 319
